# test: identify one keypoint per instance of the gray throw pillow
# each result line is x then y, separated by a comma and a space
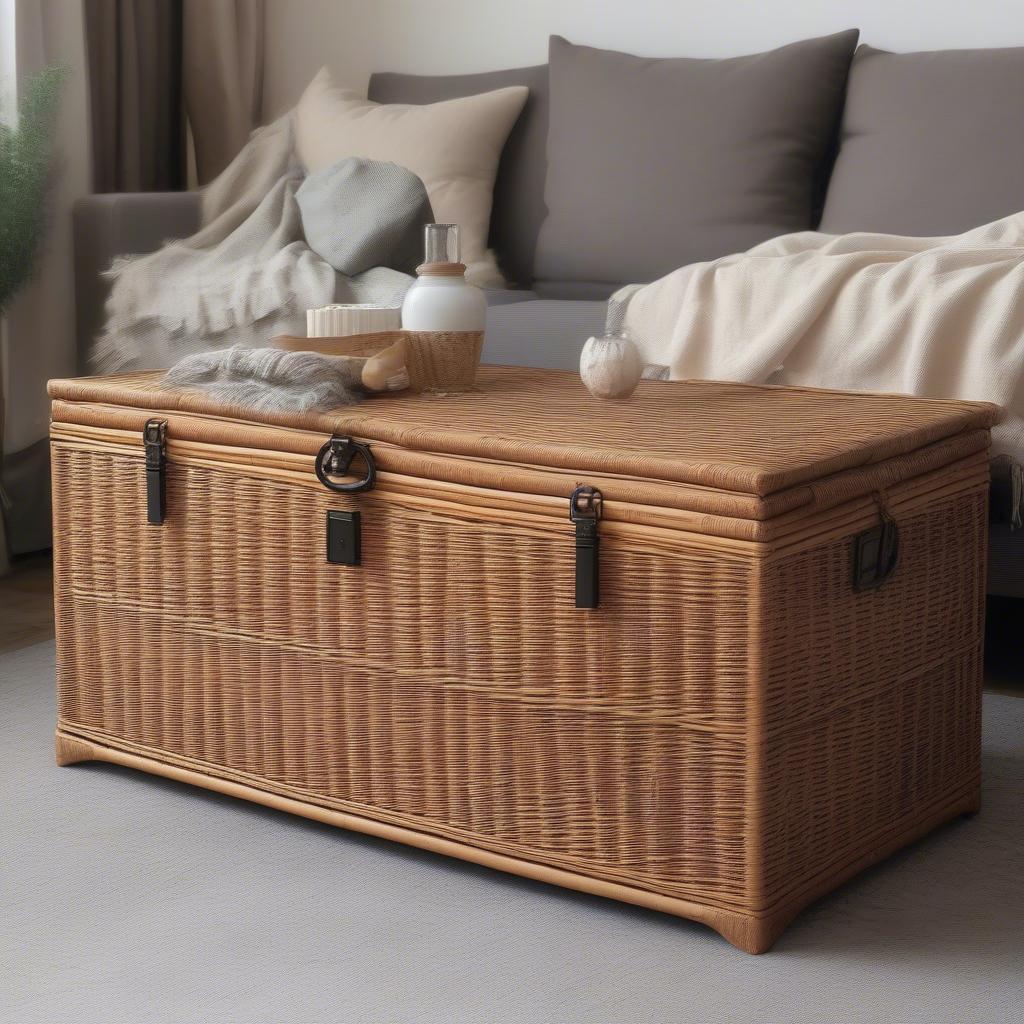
932, 143
357, 214
653, 164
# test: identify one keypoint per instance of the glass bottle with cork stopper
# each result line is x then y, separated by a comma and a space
440, 299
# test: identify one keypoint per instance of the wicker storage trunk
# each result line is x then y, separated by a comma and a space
771, 680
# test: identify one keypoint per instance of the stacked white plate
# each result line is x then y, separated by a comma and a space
343, 320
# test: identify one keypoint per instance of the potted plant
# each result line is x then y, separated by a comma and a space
25, 158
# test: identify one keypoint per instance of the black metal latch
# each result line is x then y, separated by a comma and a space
344, 540
335, 459
585, 511
876, 552
154, 440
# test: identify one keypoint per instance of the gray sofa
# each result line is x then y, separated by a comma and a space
523, 327
887, 161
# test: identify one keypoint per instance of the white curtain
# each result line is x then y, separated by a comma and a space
38, 338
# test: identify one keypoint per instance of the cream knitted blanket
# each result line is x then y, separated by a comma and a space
935, 317
249, 273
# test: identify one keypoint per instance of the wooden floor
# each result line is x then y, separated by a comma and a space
26, 603
26, 617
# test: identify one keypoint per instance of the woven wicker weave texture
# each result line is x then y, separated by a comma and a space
751, 439
734, 730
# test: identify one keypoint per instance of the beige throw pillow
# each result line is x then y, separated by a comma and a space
453, 146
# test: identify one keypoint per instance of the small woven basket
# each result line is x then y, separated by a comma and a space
349, 345
443, 361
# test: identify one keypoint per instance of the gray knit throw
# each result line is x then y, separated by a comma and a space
270, 379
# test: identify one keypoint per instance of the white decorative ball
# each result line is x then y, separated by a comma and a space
611, 366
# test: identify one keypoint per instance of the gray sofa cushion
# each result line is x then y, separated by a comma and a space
574, 289
541, 332
653, 164
932, 143
519, 188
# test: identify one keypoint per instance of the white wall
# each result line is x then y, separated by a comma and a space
8, 66
356, 37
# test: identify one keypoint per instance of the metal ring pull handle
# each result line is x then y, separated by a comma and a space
336, 457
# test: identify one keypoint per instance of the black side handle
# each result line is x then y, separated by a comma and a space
876, 552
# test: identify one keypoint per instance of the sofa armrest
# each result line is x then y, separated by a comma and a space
120, 224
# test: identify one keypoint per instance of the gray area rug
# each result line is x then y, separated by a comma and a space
127, 898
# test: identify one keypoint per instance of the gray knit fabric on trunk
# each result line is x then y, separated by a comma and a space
270, 379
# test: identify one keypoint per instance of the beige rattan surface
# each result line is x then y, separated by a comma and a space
754, 440
731, 733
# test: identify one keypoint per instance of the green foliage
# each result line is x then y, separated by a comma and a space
25, 152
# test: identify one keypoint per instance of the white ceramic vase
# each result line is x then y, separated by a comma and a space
443, 302
440, 298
